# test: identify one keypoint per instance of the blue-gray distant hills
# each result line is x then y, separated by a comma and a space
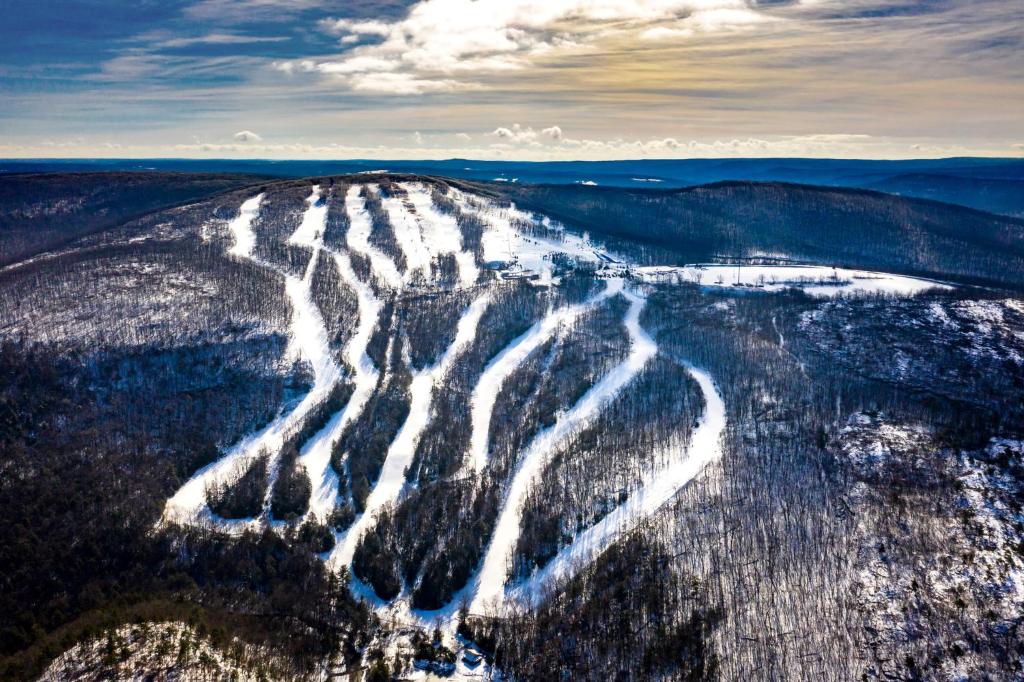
994, 185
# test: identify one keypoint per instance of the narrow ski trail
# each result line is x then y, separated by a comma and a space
660, 486
400, 454
316, 456
307, 339
316, 452
501, 367
441, 233
490, 581
360, 227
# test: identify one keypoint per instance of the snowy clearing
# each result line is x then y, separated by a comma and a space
816, 280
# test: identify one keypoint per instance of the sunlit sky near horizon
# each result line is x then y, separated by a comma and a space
512, 79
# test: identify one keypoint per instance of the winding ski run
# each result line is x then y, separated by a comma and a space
490, 583
659, 487
424, 233
400, 454
501, 367
307, 339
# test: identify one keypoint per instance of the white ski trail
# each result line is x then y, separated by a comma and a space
310, 231
316, 452
308, 336
241, 228
490, 581
360, 227
501, 367
441, 232
316, 455
661, 486
392, 476
409, 237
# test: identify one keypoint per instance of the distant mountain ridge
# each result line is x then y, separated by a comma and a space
994, 185
855, 228
841, 226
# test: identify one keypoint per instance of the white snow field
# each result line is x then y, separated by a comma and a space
490, 582
441, 233
816, 280
501, 367
660, 486
308, 339
409, 237
392, 476
502, 242
241, 227
359, 229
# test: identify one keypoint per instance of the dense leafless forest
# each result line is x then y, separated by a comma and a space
388, 426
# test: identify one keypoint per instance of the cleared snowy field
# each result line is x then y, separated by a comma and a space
816, 280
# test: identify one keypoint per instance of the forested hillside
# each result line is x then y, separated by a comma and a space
42, 211
380, 427
854, 228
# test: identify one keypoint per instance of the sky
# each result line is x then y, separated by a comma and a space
511, 79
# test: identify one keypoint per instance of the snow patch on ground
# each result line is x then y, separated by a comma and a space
160, 651
940, 573
816, 280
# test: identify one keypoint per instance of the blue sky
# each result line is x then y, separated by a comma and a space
516, 79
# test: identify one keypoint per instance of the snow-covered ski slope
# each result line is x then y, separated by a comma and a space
308, 341
515, 247
400, 454
494, 571
659, 487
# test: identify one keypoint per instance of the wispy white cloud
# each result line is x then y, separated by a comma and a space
217, 39
447, 45
242, 11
